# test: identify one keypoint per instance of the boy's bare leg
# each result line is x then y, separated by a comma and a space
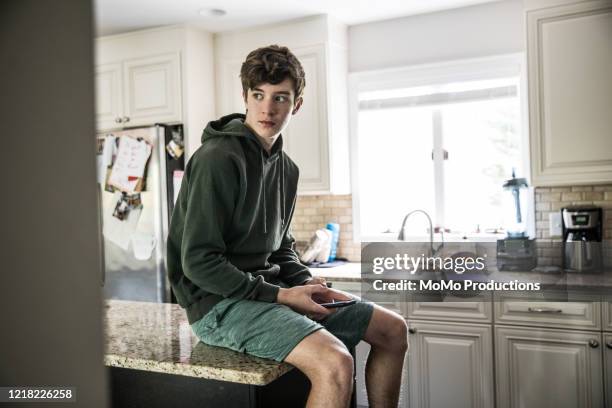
329, 367
387, 335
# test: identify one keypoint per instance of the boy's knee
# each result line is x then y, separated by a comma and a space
396, 335
401, 334
335, 364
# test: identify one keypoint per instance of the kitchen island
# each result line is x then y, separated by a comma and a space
155, 360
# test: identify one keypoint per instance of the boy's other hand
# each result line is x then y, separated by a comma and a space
305, 299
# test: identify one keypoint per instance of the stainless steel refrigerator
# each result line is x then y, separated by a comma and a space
134, 243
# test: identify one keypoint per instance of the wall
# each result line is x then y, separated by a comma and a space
552, 199
51, 306
469, 32
314, 212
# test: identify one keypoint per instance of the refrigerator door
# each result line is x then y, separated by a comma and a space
134, 271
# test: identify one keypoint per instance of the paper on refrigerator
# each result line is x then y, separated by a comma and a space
129, 164
119, 232
143, 245
105, 157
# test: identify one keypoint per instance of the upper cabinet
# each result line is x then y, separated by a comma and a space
162, 75
139, 91
109, 96
569, 45
317, 137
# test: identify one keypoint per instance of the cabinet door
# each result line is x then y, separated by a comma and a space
607, 315
109, 101
608, 368
570, 93
361, 354
306, 138
152, 91
545, 368
548, 310
229, 87
450, 365
449, 308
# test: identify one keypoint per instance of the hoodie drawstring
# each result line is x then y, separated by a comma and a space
282, 188
263, 193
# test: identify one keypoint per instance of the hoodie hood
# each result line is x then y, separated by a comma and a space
230, 125
233, 126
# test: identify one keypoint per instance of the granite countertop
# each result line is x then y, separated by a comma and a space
157, 337
349, 272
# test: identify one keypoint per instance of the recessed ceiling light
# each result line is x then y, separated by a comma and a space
213, 12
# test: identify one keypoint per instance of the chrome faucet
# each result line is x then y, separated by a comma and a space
401, 236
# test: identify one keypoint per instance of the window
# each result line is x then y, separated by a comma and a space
440, 138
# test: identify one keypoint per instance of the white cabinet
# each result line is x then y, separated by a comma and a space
554, 310
161, 75
317, 136
152, 89
450, 365
109, 96
570, 92
608, 368
450, 309
546, 368
517, 351
607, 315
140, 91
307, 135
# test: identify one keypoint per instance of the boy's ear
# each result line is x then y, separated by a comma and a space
297, 105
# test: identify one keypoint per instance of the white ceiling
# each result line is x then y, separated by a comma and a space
118, 16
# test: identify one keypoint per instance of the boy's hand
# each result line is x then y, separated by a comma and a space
305, 299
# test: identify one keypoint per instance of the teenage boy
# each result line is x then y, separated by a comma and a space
231, 261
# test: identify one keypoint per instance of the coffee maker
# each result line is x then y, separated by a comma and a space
582, 233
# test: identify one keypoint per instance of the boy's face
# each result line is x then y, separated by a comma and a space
269, 109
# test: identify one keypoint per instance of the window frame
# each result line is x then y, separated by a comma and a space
463, 70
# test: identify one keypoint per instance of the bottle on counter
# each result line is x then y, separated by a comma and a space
335, 230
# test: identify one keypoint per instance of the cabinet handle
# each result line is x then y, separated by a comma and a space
118, 120
411, 330
126, 119
609, 344
544, 310
593, 343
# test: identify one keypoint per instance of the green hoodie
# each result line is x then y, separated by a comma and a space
229, 235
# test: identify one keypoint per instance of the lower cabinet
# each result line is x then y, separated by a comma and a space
608, 368
461, 356
361, 353
546, 368
450, 365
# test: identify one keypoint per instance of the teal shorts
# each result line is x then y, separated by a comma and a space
272, 330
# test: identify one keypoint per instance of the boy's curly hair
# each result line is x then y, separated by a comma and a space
272, 64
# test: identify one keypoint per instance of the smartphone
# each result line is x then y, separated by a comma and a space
343, 303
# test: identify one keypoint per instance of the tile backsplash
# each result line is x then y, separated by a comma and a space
314, 212
552, 199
